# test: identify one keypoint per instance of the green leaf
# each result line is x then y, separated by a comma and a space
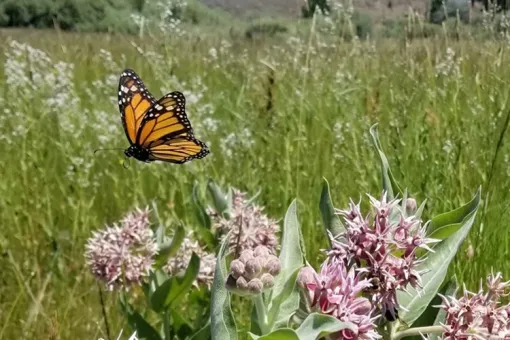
143, 329
203, 334
181, 326
389, 182
279, 334
220, 199
431, 316
275, 316
317, 326
331, 221
254, 324
203, 217
436, 266
223, 325
443, 225
291, 260
169, 249
175, 288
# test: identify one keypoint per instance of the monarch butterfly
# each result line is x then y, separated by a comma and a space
158, 130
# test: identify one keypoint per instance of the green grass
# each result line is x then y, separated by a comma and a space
443, 135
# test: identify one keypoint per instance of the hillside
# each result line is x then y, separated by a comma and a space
380, 8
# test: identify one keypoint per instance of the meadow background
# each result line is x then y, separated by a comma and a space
283, 98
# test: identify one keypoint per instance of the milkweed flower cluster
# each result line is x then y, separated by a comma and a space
336, 291
123, 254
478, 315
180, 261
385, 246
253, 272
250, 227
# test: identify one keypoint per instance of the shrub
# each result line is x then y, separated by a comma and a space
264, 30
440, 12
77, 15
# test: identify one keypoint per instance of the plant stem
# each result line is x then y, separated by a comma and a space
261, 314
103, 310
418, 331
166, 325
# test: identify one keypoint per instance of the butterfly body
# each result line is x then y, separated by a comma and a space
138, 153
156, 129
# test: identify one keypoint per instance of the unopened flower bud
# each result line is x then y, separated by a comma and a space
252, 268
470, 251
306, 275
241, 283
261, 251
267, 280
237, 268
246, 255
411, 206
272, 265
255, 286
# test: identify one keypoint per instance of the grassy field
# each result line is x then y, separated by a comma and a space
278, 115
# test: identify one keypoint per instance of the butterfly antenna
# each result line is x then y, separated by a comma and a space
108, 149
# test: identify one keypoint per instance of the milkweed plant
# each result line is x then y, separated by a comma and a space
384, 274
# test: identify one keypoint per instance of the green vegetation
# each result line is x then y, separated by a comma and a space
277, 118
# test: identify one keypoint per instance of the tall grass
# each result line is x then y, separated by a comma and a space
278, 115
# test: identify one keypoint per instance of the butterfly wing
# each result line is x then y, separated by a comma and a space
179, 150
134, 103
167, 134
166, 119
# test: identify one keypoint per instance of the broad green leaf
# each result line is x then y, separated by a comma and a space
169, 249
202, 215
435, 266
433, 315
390, 185
443, 225
203, 334
254, 325
317, 326
291, 260
143, 329
220, 199
158, 298
275, 317
279, 334
331, 220
223, 325
185, 282
175, 288
181, 326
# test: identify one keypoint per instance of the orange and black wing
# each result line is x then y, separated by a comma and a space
167, 134
134, 103
179, 150
166, 119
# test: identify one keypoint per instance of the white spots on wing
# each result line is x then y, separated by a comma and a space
120, 102
124, 89
158, 107
134, 88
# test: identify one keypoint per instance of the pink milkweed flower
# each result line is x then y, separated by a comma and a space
477, 316
336, 291
386, 244
123, 254
251, 228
